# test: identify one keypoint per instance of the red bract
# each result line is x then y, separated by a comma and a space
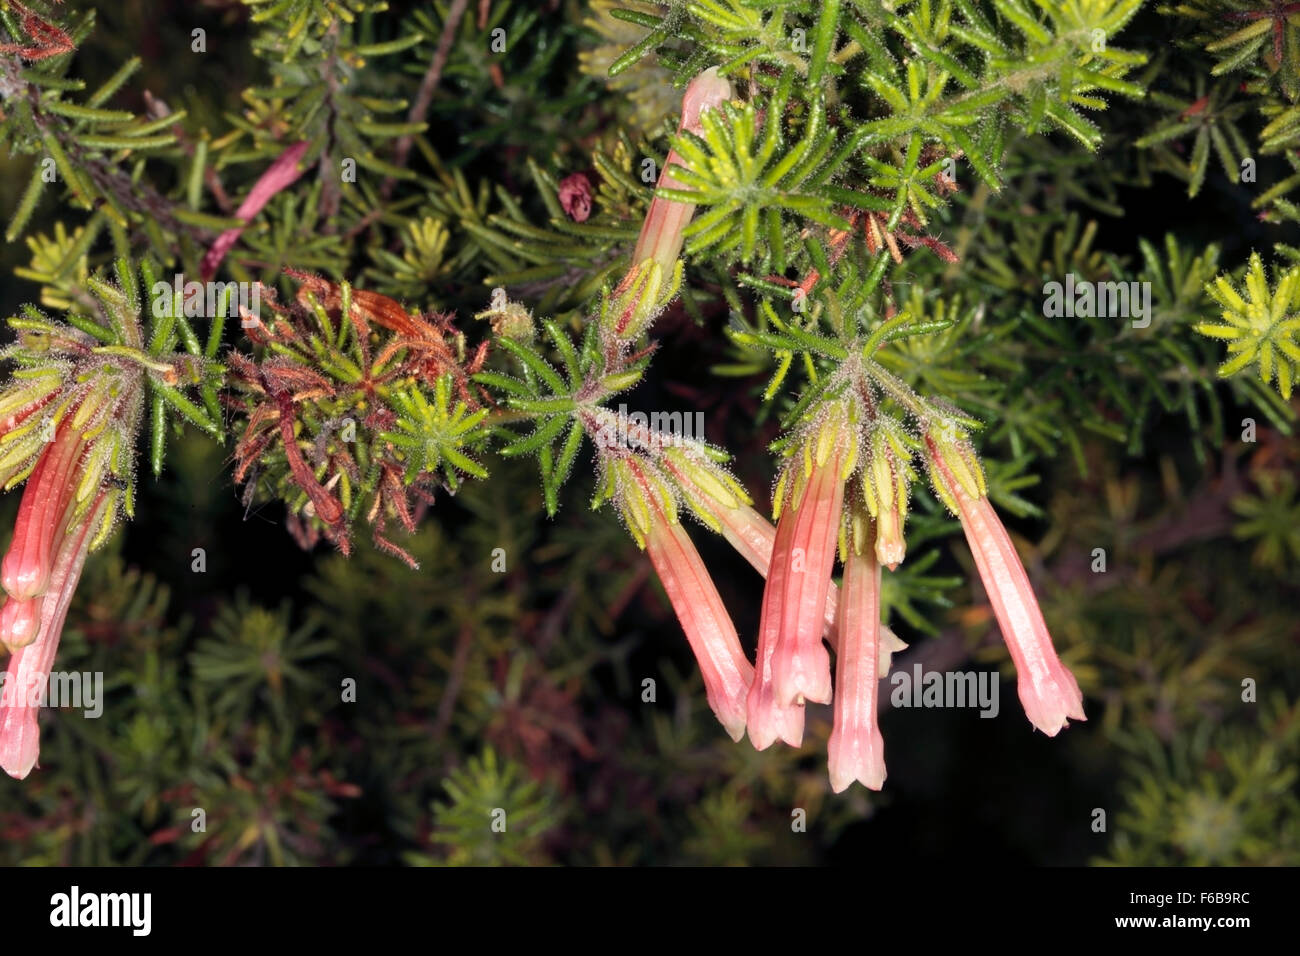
575, 196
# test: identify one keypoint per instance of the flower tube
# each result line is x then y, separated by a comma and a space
1048, 691
856, 749
30, 666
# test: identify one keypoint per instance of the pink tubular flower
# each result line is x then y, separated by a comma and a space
721, 503
40, 573
792, 665
708, 627
856, 748
42, 516
29, 666
662, 233
769, 717
652, 518
1048, 691
793, 609
278, 176
754, 537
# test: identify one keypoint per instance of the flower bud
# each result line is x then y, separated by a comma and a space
20, 622
639, 298
949, 447
886, 488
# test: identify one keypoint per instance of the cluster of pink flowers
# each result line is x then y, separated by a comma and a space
57, 520
68, 419
826, 505
844, 490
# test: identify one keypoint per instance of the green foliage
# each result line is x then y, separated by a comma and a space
1270, 520
253, 658
1218, 797
747, 186
494, 816
882, 205
1261, 39
433, 433
1260, 327
1212, 119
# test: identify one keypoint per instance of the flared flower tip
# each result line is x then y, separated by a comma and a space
1049, 694
20, 732
802, 672
730, 713
858, 754
890, 644
20, 738
769, 721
